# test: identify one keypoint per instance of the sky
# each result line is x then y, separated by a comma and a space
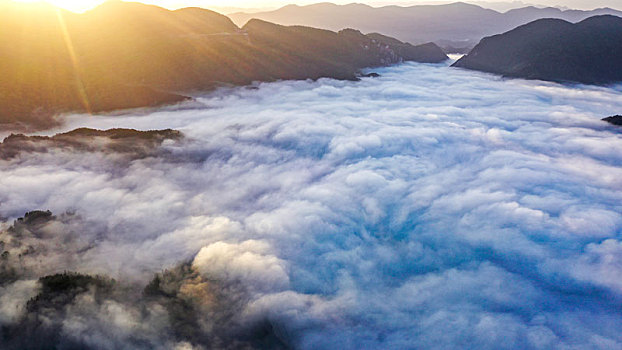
256, 5
431, 207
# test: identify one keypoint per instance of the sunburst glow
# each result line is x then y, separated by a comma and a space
71, 5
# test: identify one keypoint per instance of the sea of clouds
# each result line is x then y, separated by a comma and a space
429, 208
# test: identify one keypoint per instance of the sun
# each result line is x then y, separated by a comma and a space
71, 5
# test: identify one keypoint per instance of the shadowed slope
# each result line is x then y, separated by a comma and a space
587, 52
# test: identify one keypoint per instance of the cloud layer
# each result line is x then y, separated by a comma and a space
428, 208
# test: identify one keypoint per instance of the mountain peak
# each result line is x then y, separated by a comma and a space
587, 52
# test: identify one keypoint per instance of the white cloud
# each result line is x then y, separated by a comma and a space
248, 262
13, 300
430, 207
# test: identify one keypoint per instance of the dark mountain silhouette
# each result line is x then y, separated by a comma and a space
459, 25
428, 53
130, 142
126, 55
588, 52
615, 120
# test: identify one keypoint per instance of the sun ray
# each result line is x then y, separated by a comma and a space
74, 60
76, 5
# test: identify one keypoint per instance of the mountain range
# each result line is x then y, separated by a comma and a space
125, 55
456, 27
588, 52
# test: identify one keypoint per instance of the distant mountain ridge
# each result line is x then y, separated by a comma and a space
457, 25
126, 55
588, 52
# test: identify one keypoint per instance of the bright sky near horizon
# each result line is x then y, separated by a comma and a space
234, 5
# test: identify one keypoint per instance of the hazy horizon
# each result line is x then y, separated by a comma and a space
261, 5
258, 4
